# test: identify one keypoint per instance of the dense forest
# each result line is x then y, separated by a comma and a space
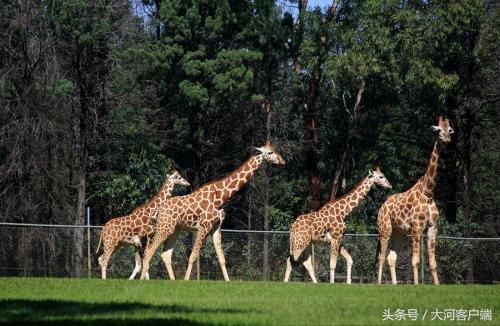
100, 99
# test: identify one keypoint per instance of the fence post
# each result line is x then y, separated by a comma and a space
89, 266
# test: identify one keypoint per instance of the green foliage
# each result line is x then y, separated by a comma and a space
280, 220
193, 93
140, 181
60, 87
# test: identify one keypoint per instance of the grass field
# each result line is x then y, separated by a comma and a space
124, 302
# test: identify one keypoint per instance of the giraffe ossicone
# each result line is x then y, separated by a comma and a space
200, 212
411, 212
327, 226
136, 227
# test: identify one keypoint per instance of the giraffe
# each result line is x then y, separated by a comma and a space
327, 226
200, 212
137, 226
411, 212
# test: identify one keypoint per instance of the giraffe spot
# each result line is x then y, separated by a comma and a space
233, 184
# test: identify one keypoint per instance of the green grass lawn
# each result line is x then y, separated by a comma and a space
107, 302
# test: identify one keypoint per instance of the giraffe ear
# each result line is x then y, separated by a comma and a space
370, 173
435, 128
258, 149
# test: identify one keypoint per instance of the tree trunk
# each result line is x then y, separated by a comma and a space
313, 179
450, 177
265, 250
467, 136
349, 144
80, 219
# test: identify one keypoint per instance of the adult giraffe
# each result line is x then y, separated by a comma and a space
412, 212
135, 227
200, 212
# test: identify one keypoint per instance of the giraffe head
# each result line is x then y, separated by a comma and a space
176, 178
379, 178
268, 153
444, 130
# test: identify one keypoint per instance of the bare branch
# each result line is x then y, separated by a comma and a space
331, 12
358, 97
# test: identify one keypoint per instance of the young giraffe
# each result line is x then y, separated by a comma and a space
137, 226
200, 211
327, 226
412, 212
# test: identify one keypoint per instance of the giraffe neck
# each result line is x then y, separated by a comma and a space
430, 176
228, 186
352, 199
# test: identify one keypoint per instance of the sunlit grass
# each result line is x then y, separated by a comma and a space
82, 301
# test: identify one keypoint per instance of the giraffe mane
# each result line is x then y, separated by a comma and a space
238, 170
350, 192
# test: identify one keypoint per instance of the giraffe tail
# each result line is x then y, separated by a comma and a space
100, 239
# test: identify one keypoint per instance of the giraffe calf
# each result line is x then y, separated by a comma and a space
137, 227
327, 226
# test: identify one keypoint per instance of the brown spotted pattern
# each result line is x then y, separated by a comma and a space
327, 226
136, 227
200, 212
411, 212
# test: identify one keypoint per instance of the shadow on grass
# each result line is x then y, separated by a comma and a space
60, 312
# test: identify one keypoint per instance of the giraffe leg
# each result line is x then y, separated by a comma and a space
162, 233
290, 257
109, 248
392, 257
431, 242
431, 247
216, 238
308, 264
288, 269
415, 261
144, 244
384, 227
397, 241
298, 244
348, 260
138, 260
334, 249
383, 243
166, 256
200, 237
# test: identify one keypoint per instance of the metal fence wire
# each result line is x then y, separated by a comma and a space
62, 251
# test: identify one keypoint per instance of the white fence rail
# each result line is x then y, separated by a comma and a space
33, 250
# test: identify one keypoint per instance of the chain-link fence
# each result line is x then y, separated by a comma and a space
62, 251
